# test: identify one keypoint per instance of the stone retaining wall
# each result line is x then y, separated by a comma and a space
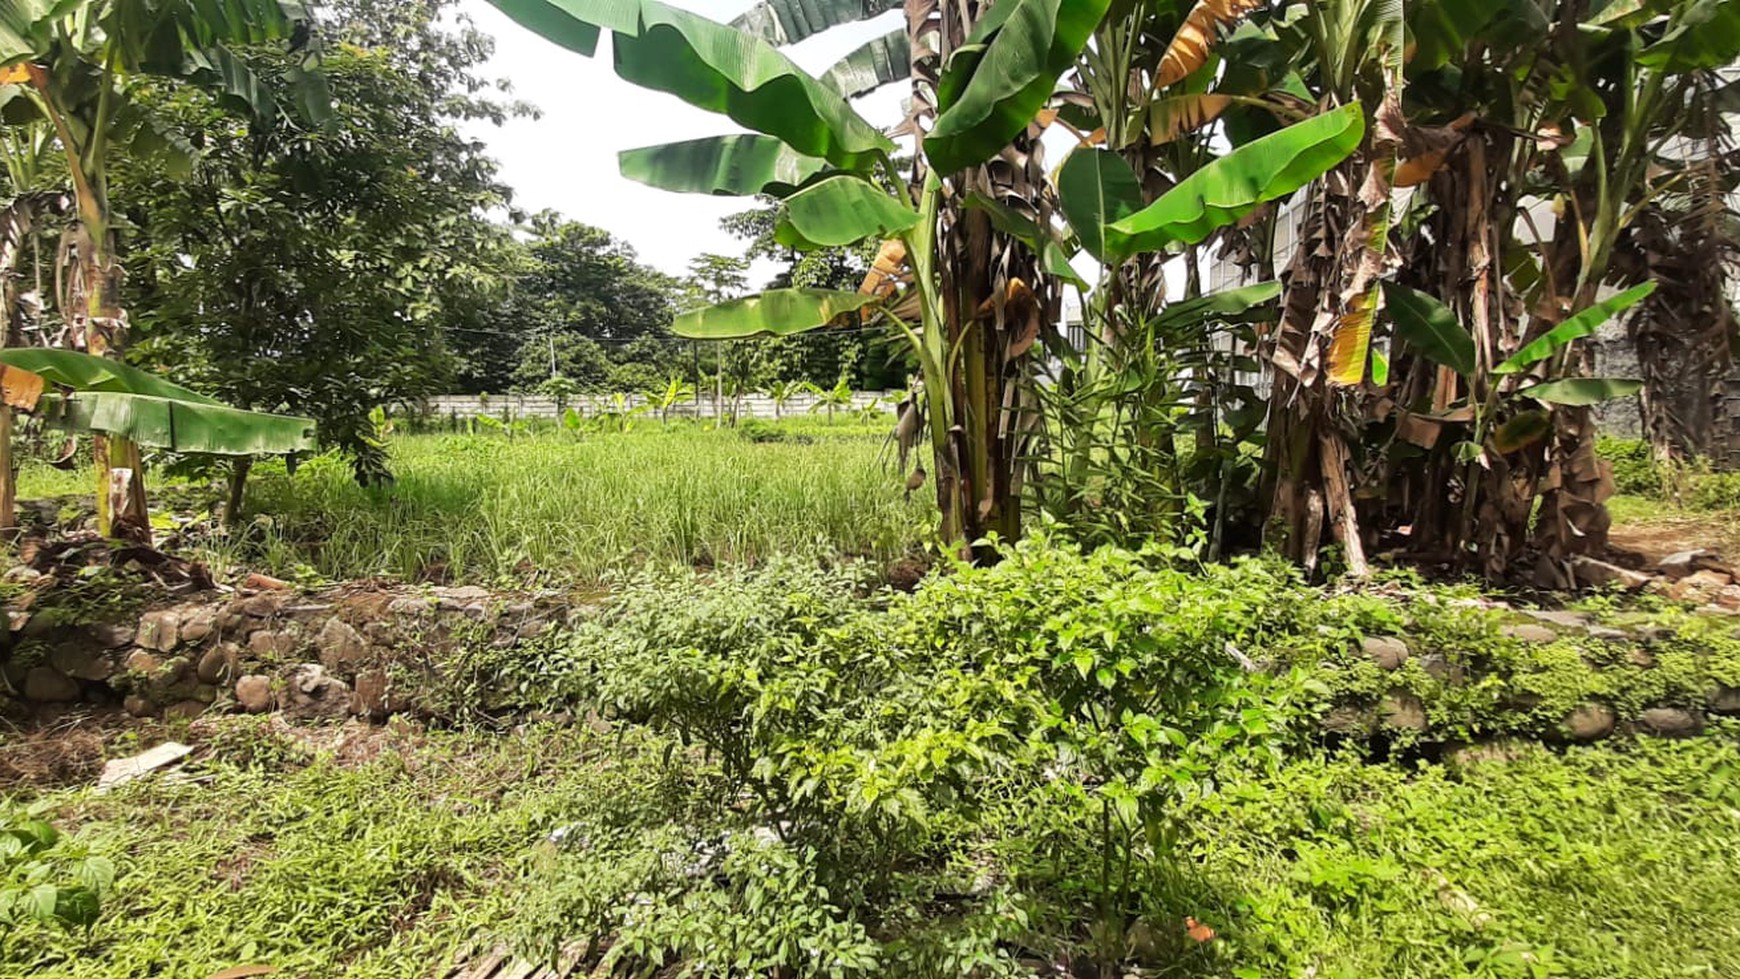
337, 653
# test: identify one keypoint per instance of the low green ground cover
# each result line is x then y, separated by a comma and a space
1063, 762
1598, 862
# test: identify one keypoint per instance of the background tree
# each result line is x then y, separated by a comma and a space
321, 272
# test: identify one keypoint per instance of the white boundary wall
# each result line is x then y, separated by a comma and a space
511, 406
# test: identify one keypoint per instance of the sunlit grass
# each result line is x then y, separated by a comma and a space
489, 507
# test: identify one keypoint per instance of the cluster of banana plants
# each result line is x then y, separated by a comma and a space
975, 243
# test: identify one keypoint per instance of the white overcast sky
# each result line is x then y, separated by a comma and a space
566, 160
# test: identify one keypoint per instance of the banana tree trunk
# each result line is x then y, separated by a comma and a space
992, 303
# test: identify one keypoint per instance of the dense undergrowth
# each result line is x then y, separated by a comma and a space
1064, 762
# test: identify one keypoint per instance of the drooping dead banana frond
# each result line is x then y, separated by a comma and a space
887, 271
1189, 47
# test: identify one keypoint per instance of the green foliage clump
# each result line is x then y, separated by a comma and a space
46, 880
1636, 471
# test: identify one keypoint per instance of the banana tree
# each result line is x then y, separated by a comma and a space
836, 398
72, 62
977, 299
102, 396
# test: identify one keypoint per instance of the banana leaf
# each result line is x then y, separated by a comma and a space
1431, 327
735, 166
1236, 184
712, 67
1095, 188
1583, 391
992, 87
840, 210
1706, 36
777, 312
784, 22
880, 61
1580, 325
183, 426
83, 372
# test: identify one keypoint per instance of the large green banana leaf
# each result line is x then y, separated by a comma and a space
712, 67
1430, 326
737, 165
1234, 305
992, 87
840, 210
1095, 188
116, 399
1580, 325
1440, 29
777, 312
1583, 391
882, 60
83, 372
788, 21
183, 426
1706, 36
1236, 184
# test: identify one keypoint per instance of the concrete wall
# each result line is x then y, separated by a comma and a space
510, 406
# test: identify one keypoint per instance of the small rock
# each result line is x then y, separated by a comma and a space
196, 626
532, 628
159, 630
1590, 722
260, 582
409, 607
1387, 652
1467, 755
370, 697
1729, 598
47, 685
1700, 587
1641, 658
111, 636
457, 598
232, 619
272, 643
1558, 617
1672, 722
139, 661
1403, 710
313, 695
21, 574
1531, 633
184, 710
1680, 563
138, 706
254, 693
342, 649
266, 604
1600, 574
1439, 667
1608, 634
1724, 700
76, 659
1348, 719
217, 665
380, 632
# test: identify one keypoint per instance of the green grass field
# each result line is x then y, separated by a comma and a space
489, 508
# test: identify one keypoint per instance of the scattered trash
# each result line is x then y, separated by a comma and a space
123, 770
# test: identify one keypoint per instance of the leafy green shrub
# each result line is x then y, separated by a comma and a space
44, 879
1635, 469
1713, 491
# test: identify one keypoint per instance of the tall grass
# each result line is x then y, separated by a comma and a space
487, 507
